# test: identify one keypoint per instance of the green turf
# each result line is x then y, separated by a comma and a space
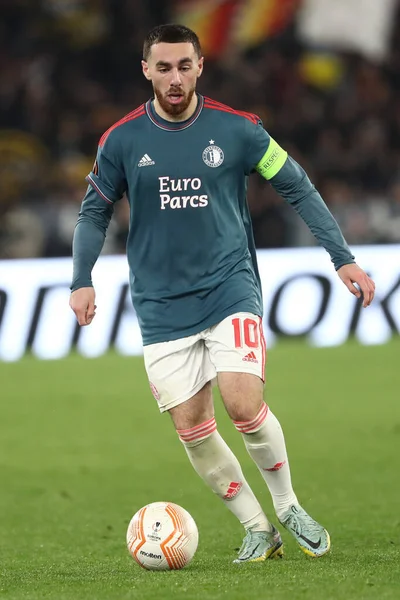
82, 447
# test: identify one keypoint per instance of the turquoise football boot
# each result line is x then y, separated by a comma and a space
259, 545
312, 538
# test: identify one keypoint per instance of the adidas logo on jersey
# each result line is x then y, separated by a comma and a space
146, 161
250, 357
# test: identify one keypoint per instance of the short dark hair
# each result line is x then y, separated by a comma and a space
170, 34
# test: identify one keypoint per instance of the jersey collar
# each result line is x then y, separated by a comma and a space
173, 125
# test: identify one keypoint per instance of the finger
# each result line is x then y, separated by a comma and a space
81, 317
80, 313
366, 299
90, 312
367, 292
371, 287
371, 291
90, 316
352, 288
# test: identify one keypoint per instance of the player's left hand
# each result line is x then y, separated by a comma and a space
351, 274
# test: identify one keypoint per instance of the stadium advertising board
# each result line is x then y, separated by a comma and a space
303, 296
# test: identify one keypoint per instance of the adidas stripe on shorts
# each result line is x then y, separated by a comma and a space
177, 370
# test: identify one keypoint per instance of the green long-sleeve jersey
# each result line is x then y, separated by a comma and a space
190, 247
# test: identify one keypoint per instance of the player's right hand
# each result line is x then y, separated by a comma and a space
82, 302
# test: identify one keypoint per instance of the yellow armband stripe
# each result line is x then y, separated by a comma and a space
272, 161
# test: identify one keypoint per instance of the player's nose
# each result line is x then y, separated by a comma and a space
176, 78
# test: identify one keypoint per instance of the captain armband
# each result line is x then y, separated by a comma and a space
272, 161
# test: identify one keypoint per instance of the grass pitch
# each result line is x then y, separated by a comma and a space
83, 447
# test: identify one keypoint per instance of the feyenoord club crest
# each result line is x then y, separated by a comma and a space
213, 156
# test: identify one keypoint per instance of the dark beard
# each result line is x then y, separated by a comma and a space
175, 110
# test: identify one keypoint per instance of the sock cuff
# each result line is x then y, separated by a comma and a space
255, 424
199, 432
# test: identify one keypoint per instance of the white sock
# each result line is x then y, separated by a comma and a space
264, 440
216, 464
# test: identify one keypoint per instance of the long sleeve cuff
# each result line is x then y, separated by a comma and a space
87, 244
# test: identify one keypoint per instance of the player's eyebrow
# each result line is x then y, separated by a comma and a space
163, 63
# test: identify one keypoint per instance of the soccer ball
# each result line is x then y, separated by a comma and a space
162, 536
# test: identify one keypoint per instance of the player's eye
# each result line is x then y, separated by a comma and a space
185, 68
162, 70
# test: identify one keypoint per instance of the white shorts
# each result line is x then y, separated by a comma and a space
177, 370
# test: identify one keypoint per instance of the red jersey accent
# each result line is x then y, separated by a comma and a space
138, 112
209, 103
263, 348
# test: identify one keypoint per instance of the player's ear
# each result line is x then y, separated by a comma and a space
145, 69
200, 66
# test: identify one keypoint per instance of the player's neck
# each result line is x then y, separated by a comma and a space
177, 119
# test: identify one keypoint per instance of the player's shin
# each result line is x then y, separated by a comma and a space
216, 464
264, 440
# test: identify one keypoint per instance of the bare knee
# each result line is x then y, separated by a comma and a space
242, 394
198, 409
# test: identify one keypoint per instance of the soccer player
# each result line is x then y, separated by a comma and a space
183, 161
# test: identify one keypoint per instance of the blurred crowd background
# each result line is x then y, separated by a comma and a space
324, 77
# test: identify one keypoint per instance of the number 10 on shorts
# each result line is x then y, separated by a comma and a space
246, 332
